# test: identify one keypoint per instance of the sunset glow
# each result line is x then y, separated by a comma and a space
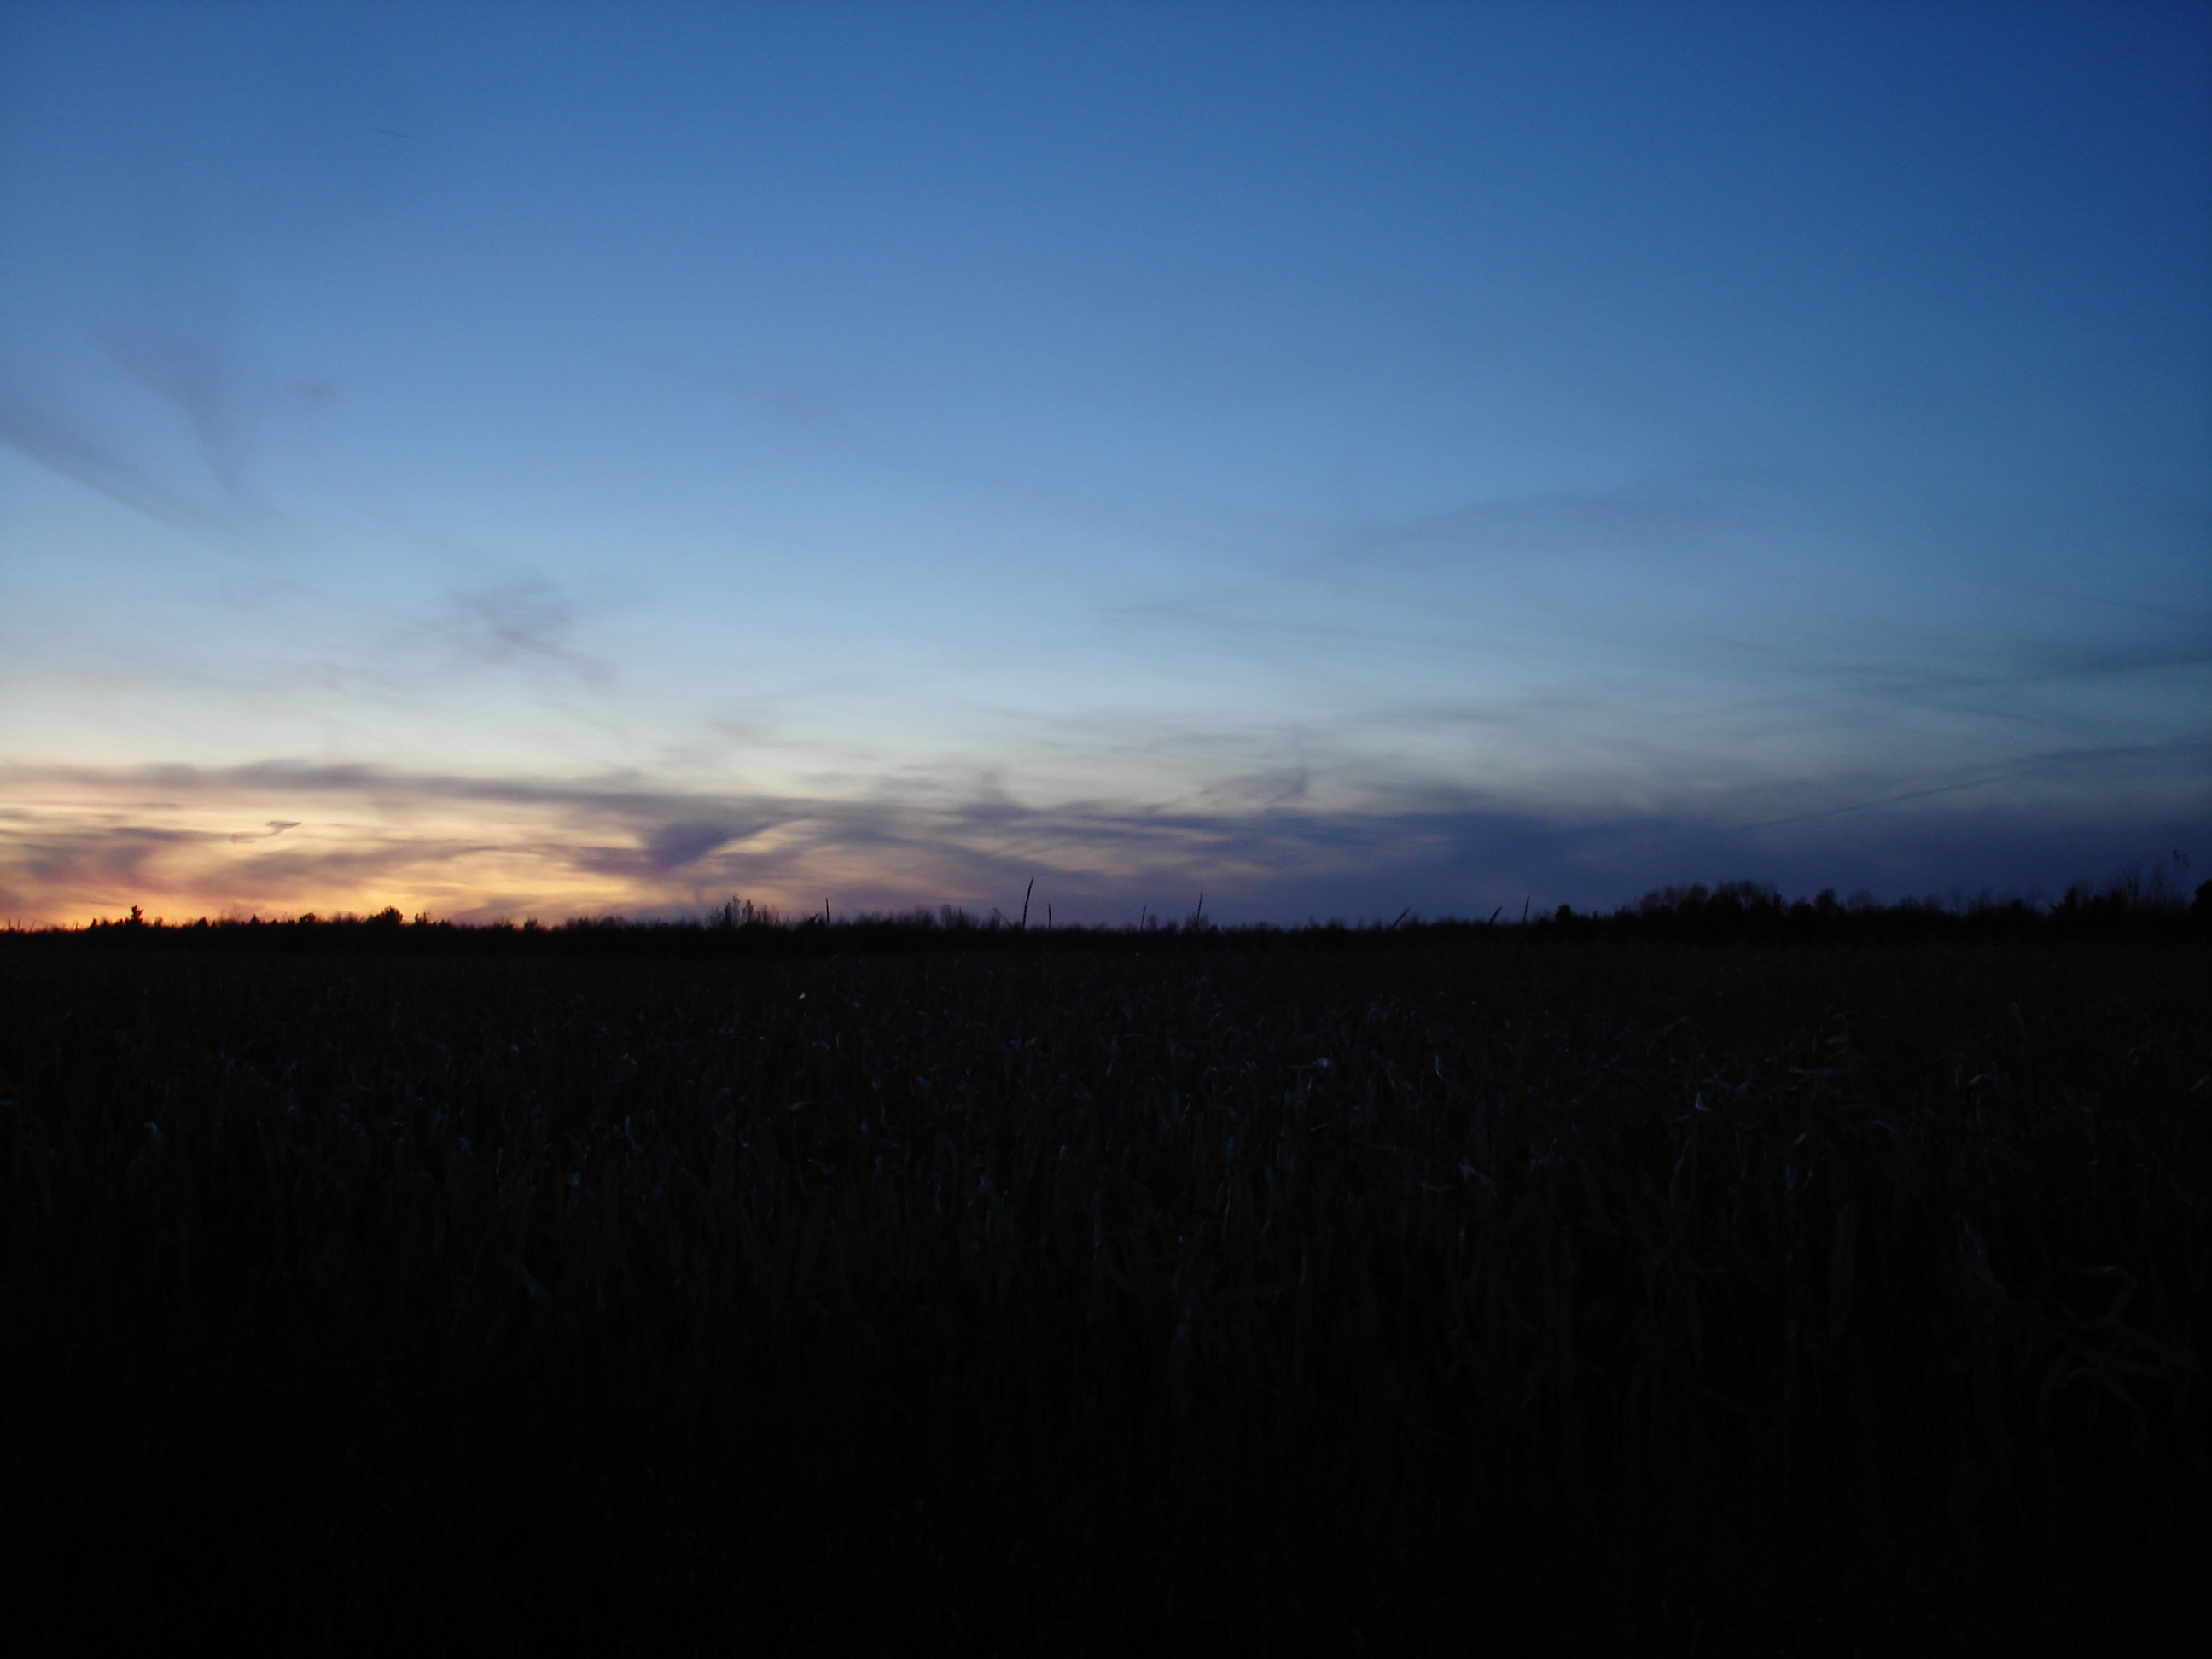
1333, 459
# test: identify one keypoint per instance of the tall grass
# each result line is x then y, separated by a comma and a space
1652, 1296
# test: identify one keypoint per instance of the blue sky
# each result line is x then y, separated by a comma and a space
512, 460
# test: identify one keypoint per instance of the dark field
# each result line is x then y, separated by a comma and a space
1454, 1290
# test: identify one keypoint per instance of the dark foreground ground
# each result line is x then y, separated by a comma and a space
1504, 1292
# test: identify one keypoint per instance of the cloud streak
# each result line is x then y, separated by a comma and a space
180, 349
525, 619
276, 827
40, 435
1643, 519
81, 842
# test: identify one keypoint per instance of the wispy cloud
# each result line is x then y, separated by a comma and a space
1640, 519
79, 842
676, 846
276, 827
179, 347
191, 373
525, 618
2186, 762
43, 436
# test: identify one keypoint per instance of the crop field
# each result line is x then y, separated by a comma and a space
1529, 1290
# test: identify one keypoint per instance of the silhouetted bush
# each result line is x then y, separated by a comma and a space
2129, 906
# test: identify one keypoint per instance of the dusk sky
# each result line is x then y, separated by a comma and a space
534, 460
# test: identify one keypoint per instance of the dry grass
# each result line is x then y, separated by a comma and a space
1659, 1298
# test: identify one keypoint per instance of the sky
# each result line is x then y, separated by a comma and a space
538, 461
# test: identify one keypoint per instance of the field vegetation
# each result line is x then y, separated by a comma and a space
1720, 1276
